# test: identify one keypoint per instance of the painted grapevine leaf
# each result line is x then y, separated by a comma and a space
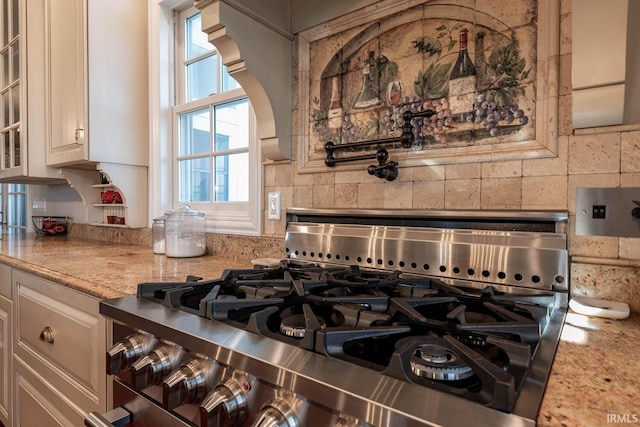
426, 44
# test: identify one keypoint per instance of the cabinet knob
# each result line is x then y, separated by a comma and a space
47, 335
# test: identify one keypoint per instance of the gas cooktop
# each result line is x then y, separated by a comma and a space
471, 342
373, 318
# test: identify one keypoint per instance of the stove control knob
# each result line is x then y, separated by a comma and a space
124, 353
224, 406
154, 366
276, 414
188, 384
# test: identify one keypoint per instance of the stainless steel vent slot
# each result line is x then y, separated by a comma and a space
527, 259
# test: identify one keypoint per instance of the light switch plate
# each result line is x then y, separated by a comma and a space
273, 206
608, 212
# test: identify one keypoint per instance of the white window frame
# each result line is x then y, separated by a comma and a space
242, 218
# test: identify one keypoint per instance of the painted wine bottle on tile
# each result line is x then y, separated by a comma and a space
335, 107
462, 82
368, 96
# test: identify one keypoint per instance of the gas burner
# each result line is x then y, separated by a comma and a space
436, 362
353, 277
295, 325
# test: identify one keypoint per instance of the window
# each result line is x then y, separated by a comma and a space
13, 214
207, 154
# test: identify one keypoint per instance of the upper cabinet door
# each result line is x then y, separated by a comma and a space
605, 70
11, 83
98, 82
65, 61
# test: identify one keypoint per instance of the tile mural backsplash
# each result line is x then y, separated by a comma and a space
365, 89
479, 68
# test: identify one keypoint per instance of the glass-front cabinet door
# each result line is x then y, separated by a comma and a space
22, 93
11, 85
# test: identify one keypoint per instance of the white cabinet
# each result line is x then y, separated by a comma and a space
59, 343
97, 82
22, 90
605, 69
5, 345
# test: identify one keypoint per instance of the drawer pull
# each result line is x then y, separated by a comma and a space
47, 335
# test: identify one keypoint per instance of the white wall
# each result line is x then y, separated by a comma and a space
62, 200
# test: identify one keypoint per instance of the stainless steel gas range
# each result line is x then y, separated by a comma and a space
372, 318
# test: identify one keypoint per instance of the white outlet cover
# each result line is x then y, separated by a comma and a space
273, 208
39, 203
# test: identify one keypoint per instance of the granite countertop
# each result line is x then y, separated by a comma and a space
595, 374
102, 269
595, 371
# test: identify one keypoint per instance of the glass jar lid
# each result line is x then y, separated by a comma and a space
184, 211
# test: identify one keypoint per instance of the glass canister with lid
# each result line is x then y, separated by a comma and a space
185, 233
158, 234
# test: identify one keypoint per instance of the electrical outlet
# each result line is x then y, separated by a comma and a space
39, 203
608, 212
599, 212
273, 206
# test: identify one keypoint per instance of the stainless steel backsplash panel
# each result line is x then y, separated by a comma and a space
529, 259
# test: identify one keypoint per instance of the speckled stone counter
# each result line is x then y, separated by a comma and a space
102, 269
595, 371
595, 375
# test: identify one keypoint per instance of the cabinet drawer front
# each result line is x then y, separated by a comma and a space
39, 405
68, 319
